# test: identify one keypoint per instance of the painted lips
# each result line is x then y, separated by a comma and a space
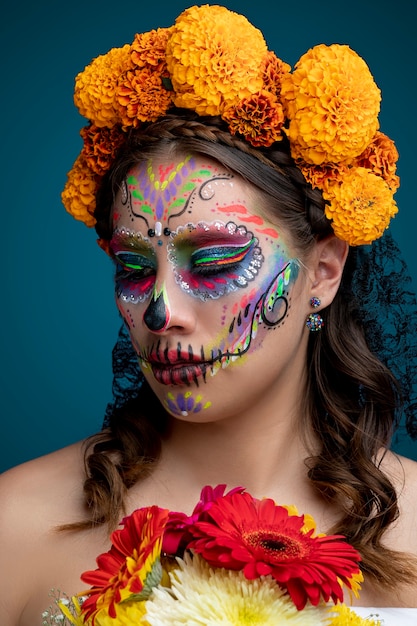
178, 374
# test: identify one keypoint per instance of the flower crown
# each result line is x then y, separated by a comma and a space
214, 62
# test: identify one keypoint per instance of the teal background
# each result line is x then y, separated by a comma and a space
59, 321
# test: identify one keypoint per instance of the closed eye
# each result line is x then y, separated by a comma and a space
215, 259
131, 264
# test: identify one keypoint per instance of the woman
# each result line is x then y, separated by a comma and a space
235, 198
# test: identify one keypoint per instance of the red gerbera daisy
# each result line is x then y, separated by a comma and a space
176, 533
126, 564
261, 538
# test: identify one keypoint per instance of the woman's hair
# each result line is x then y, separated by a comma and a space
351, 396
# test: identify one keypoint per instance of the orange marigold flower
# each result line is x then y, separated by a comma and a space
122, 570
214, 56
96, 87
149, 48
321, 176
142, 97
361, 206
79, 193
258, 118
332, 103
101, 146
273, 71
381, 157
261, 538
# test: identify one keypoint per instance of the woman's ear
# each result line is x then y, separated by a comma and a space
326, 268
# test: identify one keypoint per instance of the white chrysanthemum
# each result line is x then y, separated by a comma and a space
201, 595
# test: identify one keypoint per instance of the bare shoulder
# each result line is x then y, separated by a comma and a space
45, 486
35, 498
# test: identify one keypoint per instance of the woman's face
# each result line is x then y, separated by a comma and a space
209, 289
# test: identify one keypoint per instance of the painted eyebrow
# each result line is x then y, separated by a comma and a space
200, 237
129, 242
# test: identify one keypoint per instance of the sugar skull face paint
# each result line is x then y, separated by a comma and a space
202, 279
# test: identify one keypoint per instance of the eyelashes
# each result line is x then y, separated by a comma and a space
217, 259
131, 263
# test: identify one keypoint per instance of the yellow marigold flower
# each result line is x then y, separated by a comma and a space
258, 118
101, 146
95, 87
142, 97
149, 48
361, 206
273, 71
214, 56
333, 103
381, 157
78, 196
342, 615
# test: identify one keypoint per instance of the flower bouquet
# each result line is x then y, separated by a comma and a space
235, 560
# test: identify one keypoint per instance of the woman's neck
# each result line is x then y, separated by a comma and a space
264, 453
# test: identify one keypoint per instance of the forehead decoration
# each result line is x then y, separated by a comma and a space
327, 106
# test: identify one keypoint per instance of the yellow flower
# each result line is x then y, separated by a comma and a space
361, 206
96, 87
202, 596
381, 157
128, 613
342, 615
78, 196
332, 102
214, 56
258, 118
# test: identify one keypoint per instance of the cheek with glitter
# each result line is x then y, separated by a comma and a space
183, 404
128, 289
268, 307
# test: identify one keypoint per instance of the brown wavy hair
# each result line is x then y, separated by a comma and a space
351, 396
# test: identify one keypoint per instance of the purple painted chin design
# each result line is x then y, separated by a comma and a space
182, 404
211, 260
